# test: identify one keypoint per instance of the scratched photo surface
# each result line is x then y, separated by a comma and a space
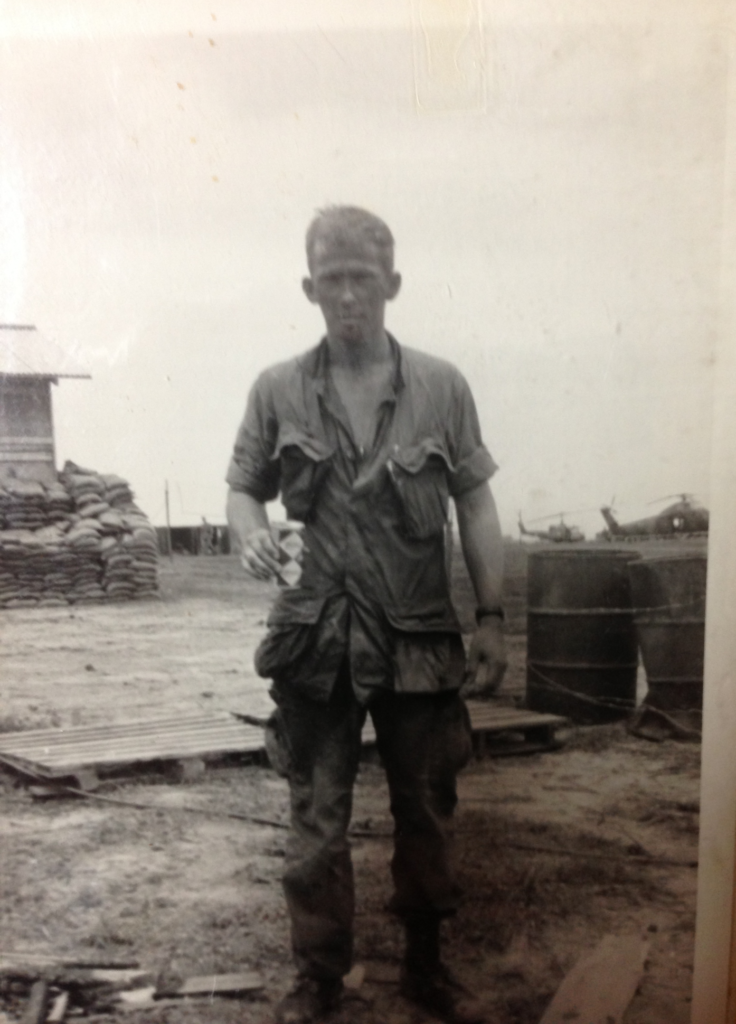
553, 178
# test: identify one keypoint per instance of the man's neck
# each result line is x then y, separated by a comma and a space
360, 355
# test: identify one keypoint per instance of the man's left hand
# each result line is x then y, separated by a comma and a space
486, 659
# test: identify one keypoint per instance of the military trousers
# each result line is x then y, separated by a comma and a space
423, 741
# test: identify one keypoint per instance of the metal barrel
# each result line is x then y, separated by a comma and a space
581, 640
668, 592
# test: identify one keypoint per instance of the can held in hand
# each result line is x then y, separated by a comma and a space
289, 539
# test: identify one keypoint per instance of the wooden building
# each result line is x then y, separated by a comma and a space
29, 365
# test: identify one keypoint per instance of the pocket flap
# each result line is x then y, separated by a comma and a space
296, 608
292, 436
413, 458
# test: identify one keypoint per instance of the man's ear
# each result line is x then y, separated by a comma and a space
394, 285
308, 288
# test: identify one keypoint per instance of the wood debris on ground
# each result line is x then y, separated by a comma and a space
602, 983
49, 988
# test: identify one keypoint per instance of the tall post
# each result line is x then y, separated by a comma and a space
168, 521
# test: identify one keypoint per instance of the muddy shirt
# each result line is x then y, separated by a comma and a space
374, 585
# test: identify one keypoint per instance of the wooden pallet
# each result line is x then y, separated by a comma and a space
82, 754
500, 730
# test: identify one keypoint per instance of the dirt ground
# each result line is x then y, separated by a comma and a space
554, 850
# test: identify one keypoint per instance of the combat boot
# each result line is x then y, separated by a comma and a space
309, 1001
426, 981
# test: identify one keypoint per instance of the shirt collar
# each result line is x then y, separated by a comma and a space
316, 364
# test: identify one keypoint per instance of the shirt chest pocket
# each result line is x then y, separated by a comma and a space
304, 462
418, 474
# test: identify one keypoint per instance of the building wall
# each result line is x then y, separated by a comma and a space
26, 429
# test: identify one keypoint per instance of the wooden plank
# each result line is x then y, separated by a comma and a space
72, 766
12, 959
60, 750
490, 721
125, 726
154, 727
56, 750
47, 740
118, 979
57, 1013
38, 1003
218, 984
602, 983
170, 748
502, 717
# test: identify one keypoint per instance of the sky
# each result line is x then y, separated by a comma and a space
552, 173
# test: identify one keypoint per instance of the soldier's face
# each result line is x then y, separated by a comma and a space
351, 284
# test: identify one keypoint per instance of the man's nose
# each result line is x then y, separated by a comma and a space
347, 293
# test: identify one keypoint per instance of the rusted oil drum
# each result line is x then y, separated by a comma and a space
668, 592
581, 640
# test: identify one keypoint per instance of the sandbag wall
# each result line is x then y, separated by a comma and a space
78, 541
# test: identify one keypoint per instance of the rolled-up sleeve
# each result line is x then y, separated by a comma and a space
472, 463
252, 468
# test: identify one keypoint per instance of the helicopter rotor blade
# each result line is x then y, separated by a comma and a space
668, 497
566, 512
552, 515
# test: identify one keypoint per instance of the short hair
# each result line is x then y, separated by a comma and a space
341, 222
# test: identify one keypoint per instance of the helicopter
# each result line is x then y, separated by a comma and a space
559, 533
682, 519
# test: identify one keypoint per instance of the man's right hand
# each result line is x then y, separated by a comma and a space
260, 556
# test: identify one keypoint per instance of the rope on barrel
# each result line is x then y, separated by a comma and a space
615, 703
644, 609
696, 602
621, 705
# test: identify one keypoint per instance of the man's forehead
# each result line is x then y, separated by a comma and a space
342, 240
352, 248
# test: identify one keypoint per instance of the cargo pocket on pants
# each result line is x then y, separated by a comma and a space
291, 634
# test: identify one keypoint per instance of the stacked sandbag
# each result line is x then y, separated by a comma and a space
143, 545
20, 563
35, 568
6, 502
27, 507
80, 540
83, 538
117, 562
87, 490
126, 541
117, 491
59, 504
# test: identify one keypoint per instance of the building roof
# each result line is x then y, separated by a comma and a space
26, 353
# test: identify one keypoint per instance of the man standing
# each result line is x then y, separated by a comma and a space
366, 440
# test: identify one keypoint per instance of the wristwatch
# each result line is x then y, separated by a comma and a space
486, 611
